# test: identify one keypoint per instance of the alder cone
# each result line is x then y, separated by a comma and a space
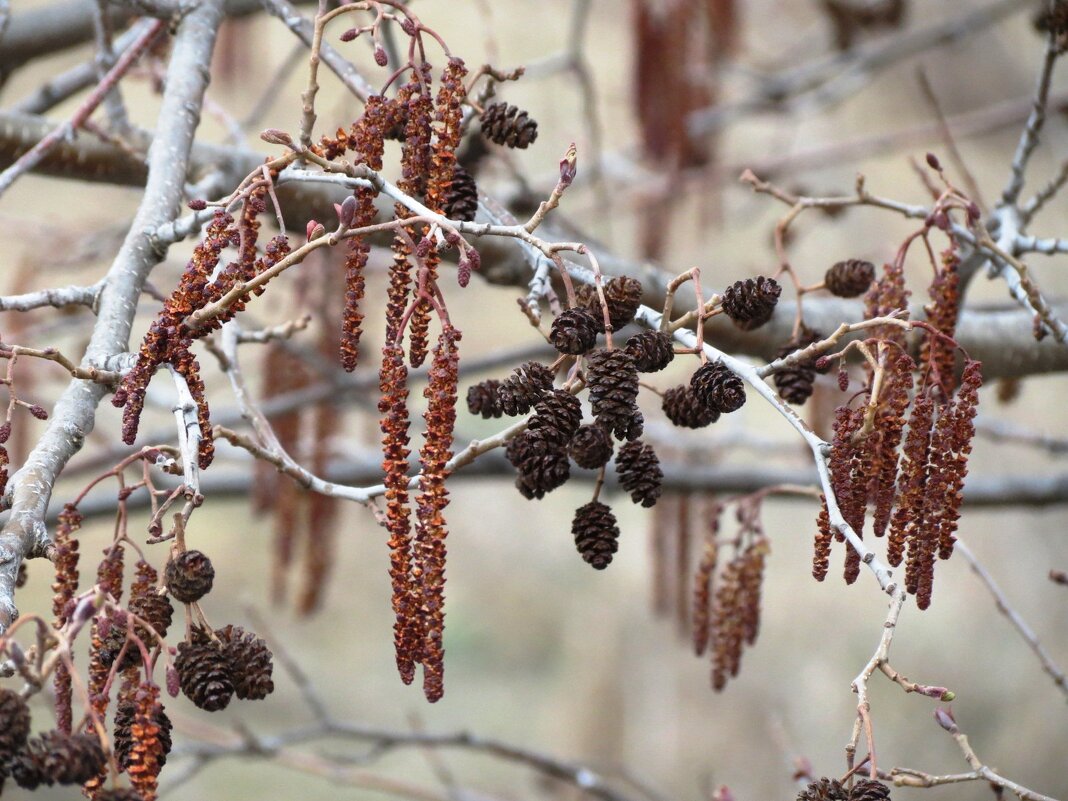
251, 662
558, 416
612, 377
795, 384
507, 125
461, 203
639, 472
154, 609
824, 790
750, 303
718, 388
518, 393
683, 409
652, 350
591, 447
204, 673
483, 400
14, 728
540, 461
58, 758
623, 296
850, 278
869, 790
596, 534
189, 576
575, 331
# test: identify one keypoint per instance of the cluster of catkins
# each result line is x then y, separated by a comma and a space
826, 789
726, 607
912, 480
125, 644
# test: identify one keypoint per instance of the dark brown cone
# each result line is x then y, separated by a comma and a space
123, 737
715, 386
683, 409
652, 350
189, 576
795, 384
623, 296
591, 447
462, 201
639, 472
157, 611
541, 463
14, 725
558, 416
524, 387
58, 758
613, 381
250, 661
507, 125
869, 790
824, 790
119, 794
204, 673
482, 399
850, 278
575, 331
596, 534
750, 303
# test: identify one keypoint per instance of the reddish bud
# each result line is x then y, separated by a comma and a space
381, 59
275, 136
843, 379
944, 718
822, 363
408, 26
973, 212
936, 692
723, 794
568, 167
174, 684
39, 412
941, 220
350, 34
346, 211
314, 230
197, 204
422, 250
933, 162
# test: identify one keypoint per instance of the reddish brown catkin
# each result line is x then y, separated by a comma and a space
109, 575
937, 353
64, 589
907, 525
890, 425
958, 444
147, 752
416, 161
822, 546
393, 382
847, 480
702, 584
431, 531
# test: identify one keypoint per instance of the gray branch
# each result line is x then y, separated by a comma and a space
74, 415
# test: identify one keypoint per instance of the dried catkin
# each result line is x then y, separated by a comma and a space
431, 531
822, 546
702, 584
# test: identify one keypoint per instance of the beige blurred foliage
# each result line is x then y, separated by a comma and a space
541, 650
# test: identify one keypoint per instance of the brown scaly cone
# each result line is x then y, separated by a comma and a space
652, 350
750, 303
869, 790
850, 278
250, 660
14, 729
462, 201
518, 393
575, 331
58, 758
507, 125
596, 534
558, 416
204, 672
639, 472
796, 383
541, 463
613, 381
591, 447
189, 576
824, 790
623, 296
683, 409
483, 400
718, 388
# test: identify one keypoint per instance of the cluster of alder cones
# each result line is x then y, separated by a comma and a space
826, 789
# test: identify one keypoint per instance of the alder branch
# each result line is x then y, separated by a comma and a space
57, 298
74, 414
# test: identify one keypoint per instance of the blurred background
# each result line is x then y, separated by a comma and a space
542, 651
